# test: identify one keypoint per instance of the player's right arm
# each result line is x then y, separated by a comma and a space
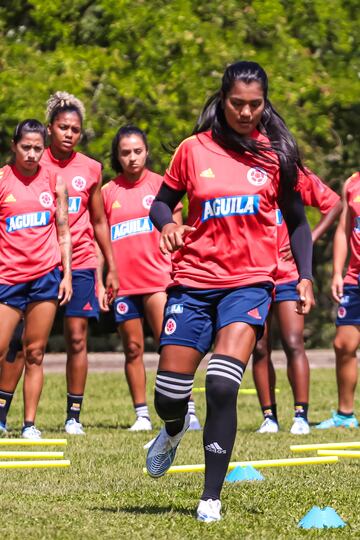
340, 247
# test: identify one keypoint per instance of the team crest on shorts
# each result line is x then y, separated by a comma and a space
341, 312
257, 176
170, 327
78, 183
147, 201
122, 308
45, 199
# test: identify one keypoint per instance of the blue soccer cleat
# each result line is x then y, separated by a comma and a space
162, 452
338, 420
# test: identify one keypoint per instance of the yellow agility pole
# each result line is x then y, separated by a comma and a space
340, 453
33, 442
24, 454
34, 464
245, 391
261, 464
324, 446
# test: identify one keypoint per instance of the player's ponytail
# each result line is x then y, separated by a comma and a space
64, 102
271, 125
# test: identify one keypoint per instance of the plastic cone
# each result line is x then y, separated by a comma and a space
317, 518
241, 474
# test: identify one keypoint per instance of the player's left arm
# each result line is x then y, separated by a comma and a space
64, 239
293, 211
102, 237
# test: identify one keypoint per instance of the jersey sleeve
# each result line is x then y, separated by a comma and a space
316, 193
176, 176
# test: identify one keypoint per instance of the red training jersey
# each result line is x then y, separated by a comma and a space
313, 193
81, 174
352, 194
29, 247
232, 200
141, 267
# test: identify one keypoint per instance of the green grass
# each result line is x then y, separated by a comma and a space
104, 493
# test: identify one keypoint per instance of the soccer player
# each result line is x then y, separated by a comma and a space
143, 271
34, 237
346, 292
318, 195
240, 164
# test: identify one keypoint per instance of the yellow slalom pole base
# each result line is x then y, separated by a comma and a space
34, 464
324, 446
340, 453
31, 455
261, 464
245, 391
33, 442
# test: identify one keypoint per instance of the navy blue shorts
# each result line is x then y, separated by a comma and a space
193, 316
129, 307
348, 313
286, 292
42, 289
84, 302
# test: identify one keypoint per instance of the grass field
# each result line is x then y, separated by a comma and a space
104, 493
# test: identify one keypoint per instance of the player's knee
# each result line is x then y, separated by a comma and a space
77, 343
344, 347
294, 345
260, 352
34, 354
220, 391
172, 394
133, 352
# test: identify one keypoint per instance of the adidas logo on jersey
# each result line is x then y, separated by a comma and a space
116, 204
10, 198
254, 313
356, 199
207, 174
215, 448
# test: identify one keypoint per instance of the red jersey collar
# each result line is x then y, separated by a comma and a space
121, 179
23, 178
60, 162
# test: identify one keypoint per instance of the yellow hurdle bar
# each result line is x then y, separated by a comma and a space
292, 462
34, 464
246, 391
35, 455
324, 446
33, 442
340, 453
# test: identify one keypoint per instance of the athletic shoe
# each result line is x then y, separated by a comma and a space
300, 426
338, 420
141, 424
162, 452
3, 430
268, 426
30, 433
209, 511
194, 423
72, 427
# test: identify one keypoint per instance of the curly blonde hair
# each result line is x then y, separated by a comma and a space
61, 102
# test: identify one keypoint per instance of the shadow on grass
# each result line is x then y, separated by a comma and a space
146, 510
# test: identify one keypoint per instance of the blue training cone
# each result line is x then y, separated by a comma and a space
321, 518
241, 474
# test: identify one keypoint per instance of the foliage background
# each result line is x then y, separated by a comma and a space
153, 63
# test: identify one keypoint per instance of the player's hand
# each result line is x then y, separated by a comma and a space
112, 286
172, 237
65, 290
286, 253
306, 297
337, 287
102, 297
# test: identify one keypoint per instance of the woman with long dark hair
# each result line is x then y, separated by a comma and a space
240, 163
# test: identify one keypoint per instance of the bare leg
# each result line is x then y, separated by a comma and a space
39, 318
76, 347
291, 326
132, 336
9, 319
263, 369
10, 373
346, 343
